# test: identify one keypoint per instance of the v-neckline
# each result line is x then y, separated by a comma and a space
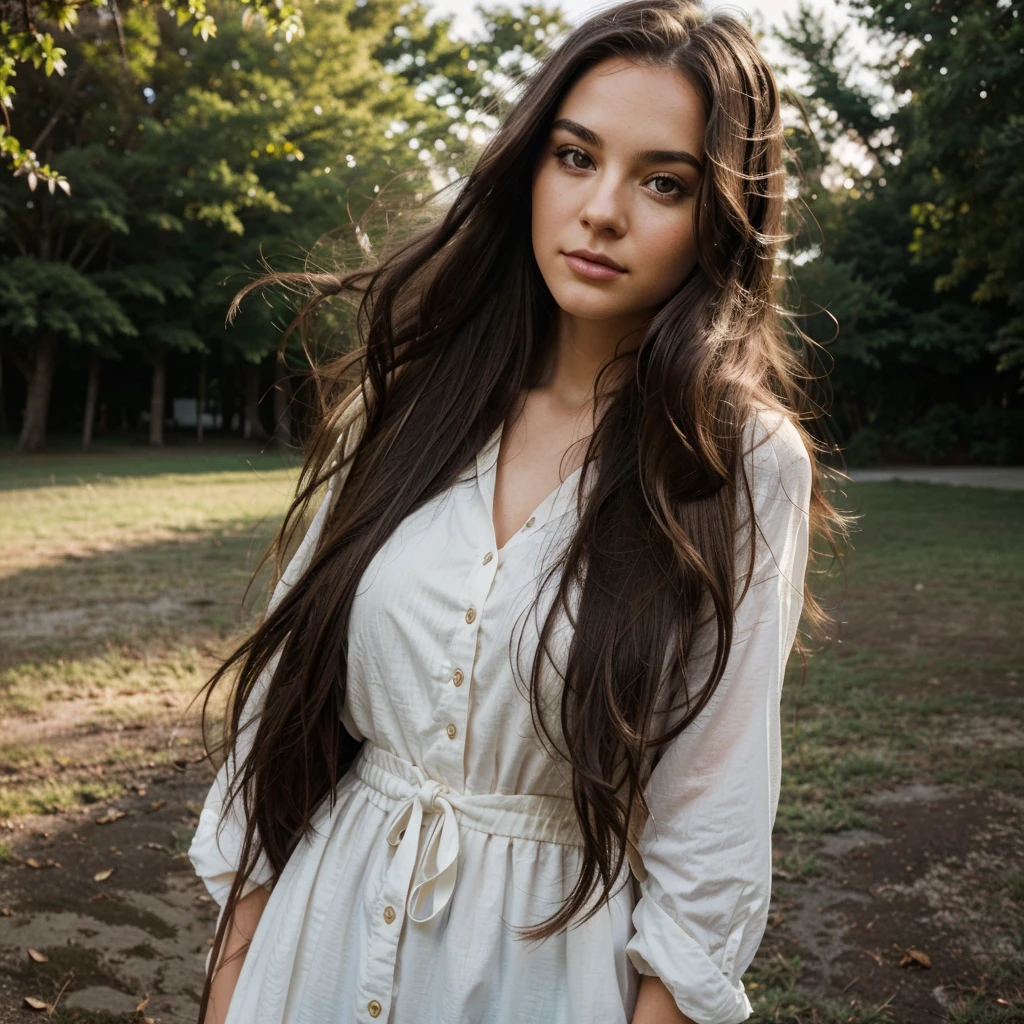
552, 505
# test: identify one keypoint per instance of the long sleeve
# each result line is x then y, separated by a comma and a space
705, 847
216, 847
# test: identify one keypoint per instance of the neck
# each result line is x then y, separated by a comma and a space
578, 351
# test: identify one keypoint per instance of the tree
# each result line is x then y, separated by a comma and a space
960, 68
193, 163
900, 346
26, 37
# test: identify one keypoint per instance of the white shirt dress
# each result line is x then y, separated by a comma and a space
455, 824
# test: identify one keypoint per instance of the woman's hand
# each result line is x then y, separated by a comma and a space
246, 917
655, 1004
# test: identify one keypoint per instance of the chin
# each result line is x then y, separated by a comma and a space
590, 307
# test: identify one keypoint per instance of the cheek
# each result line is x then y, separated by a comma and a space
549, 203
670, 247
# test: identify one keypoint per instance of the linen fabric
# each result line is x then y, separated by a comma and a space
455, 825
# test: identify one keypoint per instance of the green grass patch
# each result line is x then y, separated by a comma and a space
52, 797
772, 988
929, 615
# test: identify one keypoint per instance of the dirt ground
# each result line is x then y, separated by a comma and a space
140, 934
899, 854
926, 878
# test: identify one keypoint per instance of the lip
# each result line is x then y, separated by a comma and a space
593, 265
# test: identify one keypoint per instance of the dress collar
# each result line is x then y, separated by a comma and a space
557, 503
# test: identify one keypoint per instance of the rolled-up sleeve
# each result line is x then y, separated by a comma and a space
216, 846
705, 847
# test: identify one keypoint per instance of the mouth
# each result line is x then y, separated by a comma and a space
593, 265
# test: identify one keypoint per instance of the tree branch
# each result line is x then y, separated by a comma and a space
62, 106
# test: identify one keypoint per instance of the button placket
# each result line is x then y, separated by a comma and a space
375, 990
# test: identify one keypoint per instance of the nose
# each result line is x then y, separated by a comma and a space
604, 210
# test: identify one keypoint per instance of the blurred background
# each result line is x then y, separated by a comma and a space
155, 157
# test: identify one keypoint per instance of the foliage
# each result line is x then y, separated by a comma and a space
26, 38
960, 67
901, 334
194, 163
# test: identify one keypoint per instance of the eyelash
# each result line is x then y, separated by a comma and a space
564, 151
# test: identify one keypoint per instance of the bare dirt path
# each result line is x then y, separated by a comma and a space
138, 936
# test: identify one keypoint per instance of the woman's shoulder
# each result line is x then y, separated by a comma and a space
775, 455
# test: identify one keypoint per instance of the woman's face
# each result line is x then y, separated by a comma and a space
616, 182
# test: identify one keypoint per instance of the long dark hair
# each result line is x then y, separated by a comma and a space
453, 322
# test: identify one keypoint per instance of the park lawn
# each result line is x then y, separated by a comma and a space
927, 677
121, 584
915, 709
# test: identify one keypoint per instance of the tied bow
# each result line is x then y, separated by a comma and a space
439, 864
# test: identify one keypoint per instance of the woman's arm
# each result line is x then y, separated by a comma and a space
705, 848
240, 931
654, 1005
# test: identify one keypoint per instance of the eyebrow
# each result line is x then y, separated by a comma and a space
646, 156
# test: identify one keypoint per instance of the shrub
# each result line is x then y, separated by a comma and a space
864, 448
937, 432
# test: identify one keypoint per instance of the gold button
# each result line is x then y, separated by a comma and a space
488, 557
374, 1007
457, 677
451, 730
531, 520
389, 914
471, 615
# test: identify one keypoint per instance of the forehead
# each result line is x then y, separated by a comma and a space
637, 107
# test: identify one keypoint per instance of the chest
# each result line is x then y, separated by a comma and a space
540, 448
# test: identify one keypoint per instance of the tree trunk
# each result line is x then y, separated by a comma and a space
252, 429
92, 394
156, 402
3, 404
227, 398
201, 400
37, 402
282, 405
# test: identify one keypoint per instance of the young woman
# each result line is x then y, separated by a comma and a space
506, 745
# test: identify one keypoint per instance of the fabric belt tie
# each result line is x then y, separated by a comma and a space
430, 872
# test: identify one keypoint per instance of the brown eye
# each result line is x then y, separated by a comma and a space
574, 158
665, 186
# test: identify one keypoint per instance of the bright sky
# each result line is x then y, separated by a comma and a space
576, 10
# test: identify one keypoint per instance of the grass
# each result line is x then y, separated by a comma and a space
922, 684
121, 583
121, 578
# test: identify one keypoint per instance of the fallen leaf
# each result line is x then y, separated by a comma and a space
33, 863
40, 958
36, 1004
6, 912
102, 876
113, 814
156, 805
915, 956
143, 1004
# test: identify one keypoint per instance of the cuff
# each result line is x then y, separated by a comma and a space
214, 854
701, 991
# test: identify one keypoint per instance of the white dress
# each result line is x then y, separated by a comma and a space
455, 823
